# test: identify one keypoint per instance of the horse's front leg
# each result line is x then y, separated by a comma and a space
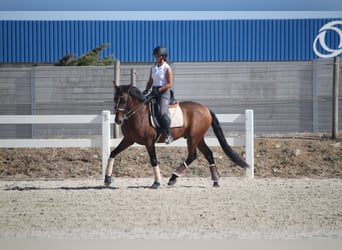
125, 143
154, 162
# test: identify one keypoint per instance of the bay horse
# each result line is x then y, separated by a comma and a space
132, 113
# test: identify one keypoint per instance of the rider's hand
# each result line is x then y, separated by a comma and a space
155, 91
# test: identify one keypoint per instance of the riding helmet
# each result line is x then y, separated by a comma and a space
160, 51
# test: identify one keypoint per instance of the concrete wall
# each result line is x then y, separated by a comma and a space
285, 96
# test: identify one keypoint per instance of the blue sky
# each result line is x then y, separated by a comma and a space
167, 9
170, 5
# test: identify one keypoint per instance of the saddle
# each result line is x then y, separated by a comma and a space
175, 113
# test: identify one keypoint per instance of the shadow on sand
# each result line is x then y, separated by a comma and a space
17, 188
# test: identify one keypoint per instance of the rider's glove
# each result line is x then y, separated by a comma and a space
155, 92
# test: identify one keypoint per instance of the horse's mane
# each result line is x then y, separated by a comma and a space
133, 91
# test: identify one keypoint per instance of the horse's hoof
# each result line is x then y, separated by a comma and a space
108, 180
216, 184
155, 185
172, 180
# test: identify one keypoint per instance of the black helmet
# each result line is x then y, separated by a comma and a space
160, 51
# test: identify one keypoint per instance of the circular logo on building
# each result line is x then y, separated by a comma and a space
320, 41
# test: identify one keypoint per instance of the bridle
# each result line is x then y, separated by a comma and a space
118, 109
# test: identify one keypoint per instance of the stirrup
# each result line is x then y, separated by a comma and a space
169, 139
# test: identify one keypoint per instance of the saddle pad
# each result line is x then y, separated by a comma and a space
176, 116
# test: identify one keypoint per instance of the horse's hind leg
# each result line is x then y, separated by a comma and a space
125, 143
208, 154
192, 155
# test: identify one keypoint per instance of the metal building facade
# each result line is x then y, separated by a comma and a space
188, 41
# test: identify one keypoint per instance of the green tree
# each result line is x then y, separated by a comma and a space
92, 57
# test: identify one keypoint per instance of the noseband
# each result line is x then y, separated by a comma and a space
118, 109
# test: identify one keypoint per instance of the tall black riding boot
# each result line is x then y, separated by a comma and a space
166, 124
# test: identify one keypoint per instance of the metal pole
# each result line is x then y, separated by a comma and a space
336, 79
33, 100
249, 142
117, 72
134, 77
117, 82
314, 97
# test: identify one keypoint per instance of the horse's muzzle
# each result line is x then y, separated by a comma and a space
118, 121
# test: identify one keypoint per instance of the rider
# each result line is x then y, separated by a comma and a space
160, 80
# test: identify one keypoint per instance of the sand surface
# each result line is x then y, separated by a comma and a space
242, 208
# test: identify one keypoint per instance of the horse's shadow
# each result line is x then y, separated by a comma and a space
139, 187
32, 188
168, 187
18, 188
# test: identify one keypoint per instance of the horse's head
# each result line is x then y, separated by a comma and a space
121, 102
126, 99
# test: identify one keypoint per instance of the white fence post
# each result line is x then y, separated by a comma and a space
249, 142
105, 139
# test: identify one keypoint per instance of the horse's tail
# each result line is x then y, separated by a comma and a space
215, 124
